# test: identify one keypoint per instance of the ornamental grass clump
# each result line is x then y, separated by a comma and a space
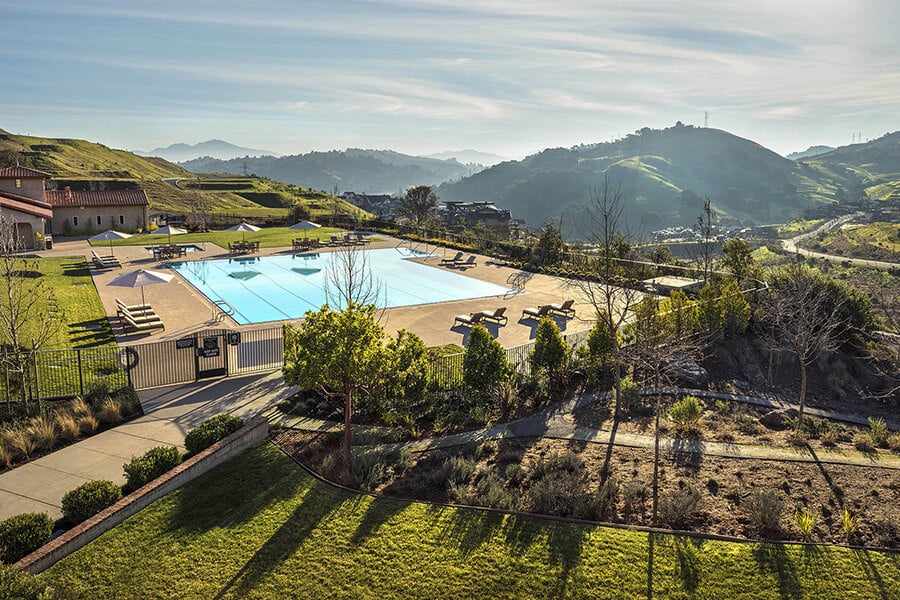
879, 431
109, 411
805, 520
42, 431
67, 426
88, 424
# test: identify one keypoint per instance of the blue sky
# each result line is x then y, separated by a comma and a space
430, 75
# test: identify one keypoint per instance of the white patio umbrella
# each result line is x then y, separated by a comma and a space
140, 278
305, 226
170, 230
110, 235
243, 228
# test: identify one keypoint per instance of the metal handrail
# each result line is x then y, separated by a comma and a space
221, 313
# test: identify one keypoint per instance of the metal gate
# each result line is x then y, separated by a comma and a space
211, 356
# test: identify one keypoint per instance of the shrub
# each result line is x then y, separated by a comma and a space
515, 474
109, 411
829, 438
863, 442
489, 491
677, 507
764, 508
484, 362
634, 495
879, 431
456, 470
894, 442
98, 391
150, 465
685, 415
631, 394
550, 350
20, 535
560, 493
43, 432
805, 520
88, 499
20, 585
67, 425
211, 431
605, 498
569, 462
370, 467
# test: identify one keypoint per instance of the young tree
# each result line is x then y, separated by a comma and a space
484, 362
404, 377
337, 353
550, 350
737, 258
682, 314
349, 278
418, 203
613, 292
801, 316
734, 309
549, 249
709, 314
26, 323
707, 248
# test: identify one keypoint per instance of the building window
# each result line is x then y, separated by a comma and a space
99, 220
18, 184
75, 221
121, 219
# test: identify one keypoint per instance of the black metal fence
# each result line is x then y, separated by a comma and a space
63, 373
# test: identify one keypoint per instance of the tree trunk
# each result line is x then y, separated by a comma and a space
347, 434
802, 395
655, 502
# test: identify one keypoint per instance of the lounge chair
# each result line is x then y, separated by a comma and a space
472, 261
469, 320
360, 239
494, 315
536, 313
130, 324
452, 261
564, 308
335, 241
105, 262
134, 308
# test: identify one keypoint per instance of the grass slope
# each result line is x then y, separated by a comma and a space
260, 527
268, 237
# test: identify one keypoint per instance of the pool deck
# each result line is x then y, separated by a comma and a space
184, 309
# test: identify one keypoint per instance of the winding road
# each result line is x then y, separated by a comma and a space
793, 245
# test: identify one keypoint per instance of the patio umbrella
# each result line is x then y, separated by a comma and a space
243, 228
305, 226
140, 278
170, 230
110, 235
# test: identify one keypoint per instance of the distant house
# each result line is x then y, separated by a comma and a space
91, 211
470, 213
669, 283
381, 205
23, 203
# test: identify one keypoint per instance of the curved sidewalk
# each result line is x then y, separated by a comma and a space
169, 413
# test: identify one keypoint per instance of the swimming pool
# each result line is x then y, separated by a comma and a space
274, 288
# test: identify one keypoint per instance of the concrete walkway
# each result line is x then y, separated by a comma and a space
557, 422
169, 413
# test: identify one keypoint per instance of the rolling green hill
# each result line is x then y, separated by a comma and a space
170, 188
664, 175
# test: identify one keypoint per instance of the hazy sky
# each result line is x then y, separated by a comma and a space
422, 76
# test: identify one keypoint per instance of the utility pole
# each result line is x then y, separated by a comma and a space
706, 119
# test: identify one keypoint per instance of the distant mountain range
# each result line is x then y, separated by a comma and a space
212, 148
664, 175
354, 169
469, 157
809, 152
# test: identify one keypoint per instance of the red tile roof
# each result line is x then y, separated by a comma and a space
64, 198
23, 173
26, 205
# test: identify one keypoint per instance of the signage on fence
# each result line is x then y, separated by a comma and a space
234, 338
187, 342
210, 347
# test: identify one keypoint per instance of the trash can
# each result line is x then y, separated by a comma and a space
48, 243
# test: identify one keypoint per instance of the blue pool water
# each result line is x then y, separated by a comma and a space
273, 288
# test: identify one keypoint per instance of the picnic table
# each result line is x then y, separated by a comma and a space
243, 247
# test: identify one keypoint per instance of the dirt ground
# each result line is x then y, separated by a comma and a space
872, 494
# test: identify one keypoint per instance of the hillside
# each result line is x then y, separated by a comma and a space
364, 171
810, 152
211, 148
873, 167
664, 174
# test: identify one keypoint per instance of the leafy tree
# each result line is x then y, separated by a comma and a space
404, 377
484, 362
601, 342
336, 352
549, 249
737, 258
418, 203
682, 314
709, 314
550, 350
734, 309
661, 255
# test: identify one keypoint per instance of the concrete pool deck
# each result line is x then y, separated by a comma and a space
184, 309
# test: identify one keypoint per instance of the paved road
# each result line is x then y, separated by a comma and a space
169, 413
793, 245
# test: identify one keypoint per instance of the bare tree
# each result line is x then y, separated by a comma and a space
706, 250
614, 291
349, 279
800, 316
26, 323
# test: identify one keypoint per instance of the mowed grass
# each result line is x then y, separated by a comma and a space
260, 527
83, 320
269, 237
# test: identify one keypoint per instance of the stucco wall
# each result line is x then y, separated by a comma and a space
31, 188
63, 219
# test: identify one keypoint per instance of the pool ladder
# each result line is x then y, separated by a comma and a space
222, 310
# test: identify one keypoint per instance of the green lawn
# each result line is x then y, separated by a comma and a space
84, 321
260, 527
270, 237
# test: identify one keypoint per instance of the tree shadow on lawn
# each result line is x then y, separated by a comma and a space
773, 559
565, 542
320, 502
864, 558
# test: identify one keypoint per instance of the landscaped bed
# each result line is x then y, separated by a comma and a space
260, 527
